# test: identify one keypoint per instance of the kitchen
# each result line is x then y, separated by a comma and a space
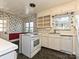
41, 29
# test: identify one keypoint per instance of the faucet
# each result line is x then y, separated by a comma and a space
54, 31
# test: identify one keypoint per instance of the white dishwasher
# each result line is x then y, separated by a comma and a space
30, 44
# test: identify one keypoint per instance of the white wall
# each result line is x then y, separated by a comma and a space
61, 9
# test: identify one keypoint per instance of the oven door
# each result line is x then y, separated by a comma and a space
35, 44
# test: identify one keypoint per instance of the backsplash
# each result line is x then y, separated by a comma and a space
15, 24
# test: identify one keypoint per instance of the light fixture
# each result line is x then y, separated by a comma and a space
32, 5
30, 8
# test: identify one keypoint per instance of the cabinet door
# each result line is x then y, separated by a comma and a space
51, 43
47, 21
54, 43
66, 44
40, 23
11, 55
57, 43
44, 41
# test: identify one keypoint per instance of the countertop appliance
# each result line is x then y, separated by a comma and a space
7, 50
31, 44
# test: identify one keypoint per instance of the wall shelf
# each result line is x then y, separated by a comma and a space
44, 22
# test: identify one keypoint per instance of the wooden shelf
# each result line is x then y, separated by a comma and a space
44, 22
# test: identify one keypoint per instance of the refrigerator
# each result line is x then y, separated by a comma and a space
77, 37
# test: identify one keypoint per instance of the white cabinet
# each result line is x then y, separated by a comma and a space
44, 22
61, 43
51, 43
67, 44
7, 50
54, 43
57, 42
44, 41
12, 55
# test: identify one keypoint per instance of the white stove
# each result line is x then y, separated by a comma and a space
30, 44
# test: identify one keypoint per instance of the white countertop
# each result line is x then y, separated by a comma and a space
6, 47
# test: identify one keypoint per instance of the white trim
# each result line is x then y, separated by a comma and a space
14, 40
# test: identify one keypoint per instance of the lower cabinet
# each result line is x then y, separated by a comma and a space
54, 43
61, 43
67, 44
11, 55
51, 43
45, 41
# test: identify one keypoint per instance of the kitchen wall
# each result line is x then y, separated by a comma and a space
61, 9
14, 24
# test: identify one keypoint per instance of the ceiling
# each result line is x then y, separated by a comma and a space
19, 7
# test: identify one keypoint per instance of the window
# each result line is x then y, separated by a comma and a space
62, 22
29, 27
3, 26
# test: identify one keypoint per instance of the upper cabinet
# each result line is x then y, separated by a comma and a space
47, 21
40, 22
44, 22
